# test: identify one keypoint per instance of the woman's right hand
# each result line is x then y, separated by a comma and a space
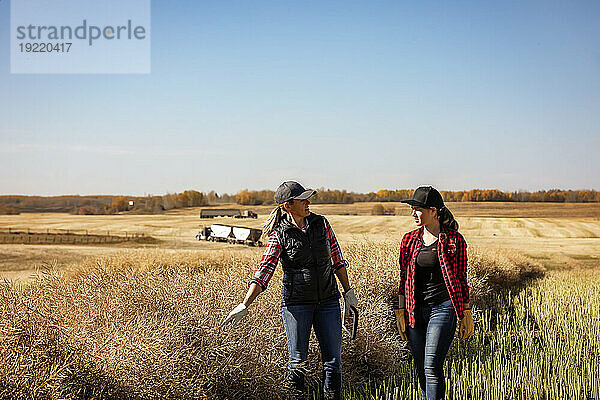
401, 322
235, 315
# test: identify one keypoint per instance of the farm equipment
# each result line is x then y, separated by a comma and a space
248, 214
231, 234
227, 212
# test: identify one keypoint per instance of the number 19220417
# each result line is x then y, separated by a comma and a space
45, 47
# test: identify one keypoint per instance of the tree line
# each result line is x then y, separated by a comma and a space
328, 196
153, 204
96, 205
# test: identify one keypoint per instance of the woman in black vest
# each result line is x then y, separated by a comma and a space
310, 256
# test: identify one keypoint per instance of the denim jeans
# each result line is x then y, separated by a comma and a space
430, 341
326, 320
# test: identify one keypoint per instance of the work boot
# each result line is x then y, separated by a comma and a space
332, 382
295, 385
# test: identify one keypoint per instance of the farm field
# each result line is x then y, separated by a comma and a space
155, 304
467, 209
558, 235
541, 343
144, 323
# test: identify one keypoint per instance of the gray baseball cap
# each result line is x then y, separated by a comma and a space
291, 190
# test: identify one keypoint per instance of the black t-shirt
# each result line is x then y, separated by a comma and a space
430, 288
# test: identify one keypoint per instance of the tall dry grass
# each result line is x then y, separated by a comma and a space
145, 325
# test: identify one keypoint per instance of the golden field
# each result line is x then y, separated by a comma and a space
559, 235
132, 321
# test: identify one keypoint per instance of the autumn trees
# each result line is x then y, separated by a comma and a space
152, 204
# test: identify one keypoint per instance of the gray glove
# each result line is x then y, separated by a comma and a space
349, 300
239, 312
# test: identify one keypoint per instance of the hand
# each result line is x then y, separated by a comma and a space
349, 300
401, 322
236, 315
467, 326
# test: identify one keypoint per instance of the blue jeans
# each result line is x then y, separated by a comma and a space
430, 341
327, 321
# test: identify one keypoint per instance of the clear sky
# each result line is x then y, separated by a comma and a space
351, 95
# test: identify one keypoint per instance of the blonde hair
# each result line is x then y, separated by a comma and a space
273, 220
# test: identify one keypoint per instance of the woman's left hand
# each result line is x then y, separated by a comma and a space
467, 326
350, 300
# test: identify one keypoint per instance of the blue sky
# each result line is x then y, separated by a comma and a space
340, 94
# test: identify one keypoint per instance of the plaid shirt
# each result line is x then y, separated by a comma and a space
452, 253
270, 257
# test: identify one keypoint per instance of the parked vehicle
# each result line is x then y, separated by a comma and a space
220, 212
231, 234
227, 212
248, 214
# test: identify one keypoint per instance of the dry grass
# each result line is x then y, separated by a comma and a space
144, 324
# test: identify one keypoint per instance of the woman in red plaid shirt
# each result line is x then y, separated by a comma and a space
433, 293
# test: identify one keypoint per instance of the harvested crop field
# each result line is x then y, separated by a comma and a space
140, 321
559, 235
144, 324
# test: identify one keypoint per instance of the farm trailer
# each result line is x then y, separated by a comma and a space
231, 234
227, 212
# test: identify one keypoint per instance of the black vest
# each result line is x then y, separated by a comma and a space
308, 276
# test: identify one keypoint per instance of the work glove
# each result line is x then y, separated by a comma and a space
467, 326
239, 312
400, 322
349, 300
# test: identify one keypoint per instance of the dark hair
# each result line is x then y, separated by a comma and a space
446, 219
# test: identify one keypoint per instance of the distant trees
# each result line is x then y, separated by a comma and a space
553, 195
10, 204
89, 210
156, 204
188, 198
255, 198
119, 203
212, 197
248, 198
53, 203
327, 196
393, 195
266, 197
8, 210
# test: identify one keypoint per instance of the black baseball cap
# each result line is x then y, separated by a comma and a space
426, 196
291, 190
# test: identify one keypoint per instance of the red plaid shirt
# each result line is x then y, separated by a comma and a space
452, 253
270, 257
